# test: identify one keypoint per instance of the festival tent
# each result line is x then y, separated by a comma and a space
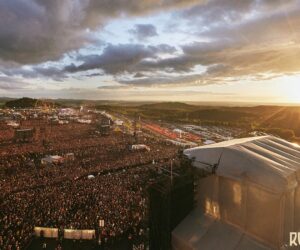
250, 198
140, 147
13, 124
52, 159
182, 143
119, 122
84, 121
208, 142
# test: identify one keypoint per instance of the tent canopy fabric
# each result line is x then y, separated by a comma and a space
251, 199
261, 160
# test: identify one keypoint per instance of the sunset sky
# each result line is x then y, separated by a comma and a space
168, 50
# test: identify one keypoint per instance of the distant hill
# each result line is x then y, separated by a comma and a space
27, 102
24, 102
284, 118
228, 115
169, 106
97, 103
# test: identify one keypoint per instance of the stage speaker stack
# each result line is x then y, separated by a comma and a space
170, 203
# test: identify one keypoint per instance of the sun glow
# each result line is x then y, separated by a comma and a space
290, 89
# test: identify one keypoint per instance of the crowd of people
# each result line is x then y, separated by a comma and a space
61, 196
119, 199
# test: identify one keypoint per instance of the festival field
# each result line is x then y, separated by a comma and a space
92, 177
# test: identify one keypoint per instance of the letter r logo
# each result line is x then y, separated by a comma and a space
294, 239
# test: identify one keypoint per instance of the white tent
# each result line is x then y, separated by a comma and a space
208, 142
84, 121
13, 124
52, 159
182, 143
140, 147
119, 122
251, 200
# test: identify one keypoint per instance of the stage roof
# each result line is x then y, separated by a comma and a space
267, 161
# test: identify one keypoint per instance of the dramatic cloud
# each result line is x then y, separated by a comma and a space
211, 41
214, 13
33, 31
243, 42
37, 30
144, 31
120, 58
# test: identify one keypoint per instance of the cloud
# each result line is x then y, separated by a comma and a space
175, 81
34, 31
144, 31
121, 58
215, 13
224, 63
263, 43
8, 83
138, 75
231, 40
38, 71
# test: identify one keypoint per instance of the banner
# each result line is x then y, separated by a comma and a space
46, 232
79, 234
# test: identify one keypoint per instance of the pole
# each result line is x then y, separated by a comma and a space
171, 171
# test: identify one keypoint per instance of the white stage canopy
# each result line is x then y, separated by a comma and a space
251, 199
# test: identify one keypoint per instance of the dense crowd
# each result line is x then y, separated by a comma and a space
25, 170
62, 196
118, 199
6, 132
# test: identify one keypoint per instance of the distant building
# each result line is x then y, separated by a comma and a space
104, 125
24, 135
